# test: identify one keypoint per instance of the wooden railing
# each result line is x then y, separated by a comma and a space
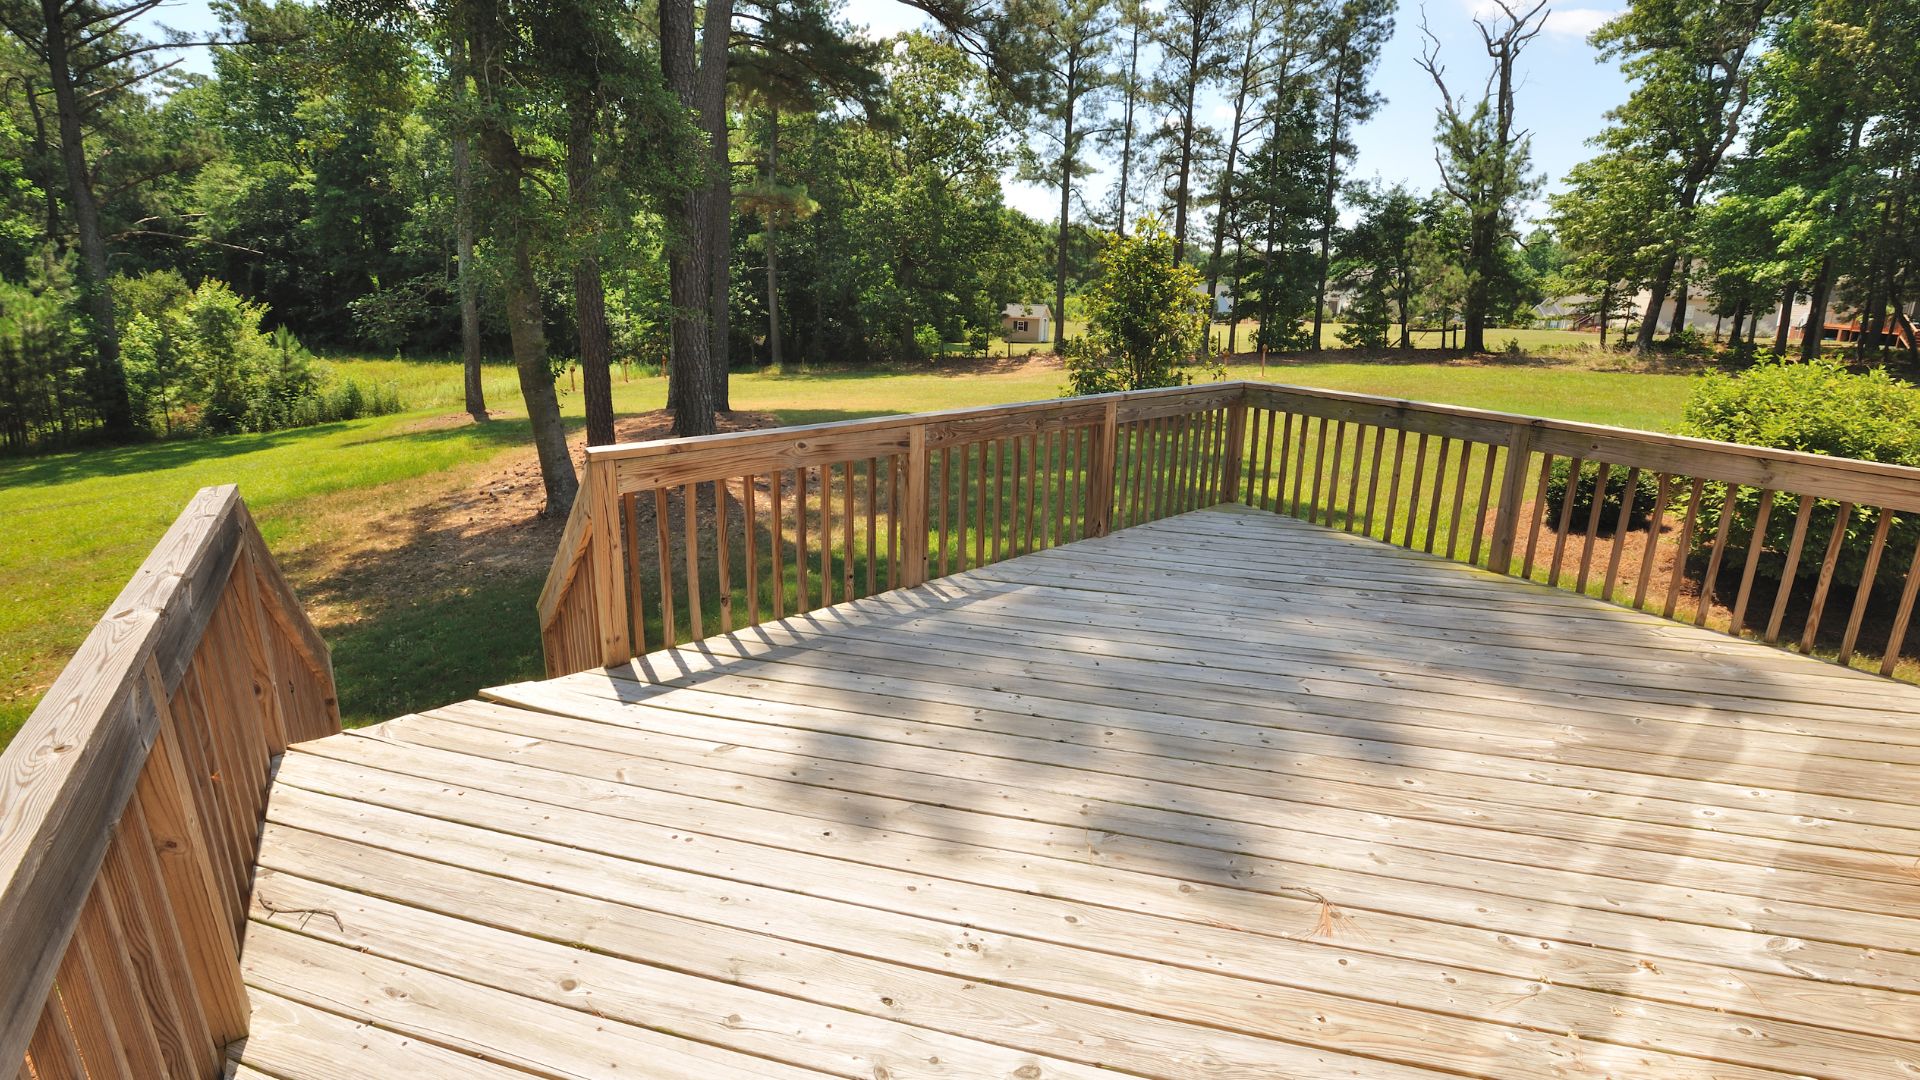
676, 539
133, 799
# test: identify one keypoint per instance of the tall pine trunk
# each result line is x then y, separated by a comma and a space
1066, 196
715, 37
1126, 132
469, 278
689, 277
589, 293
1326, 197
108, 378
1679, 321
1185, 190
1813, 334
775, 353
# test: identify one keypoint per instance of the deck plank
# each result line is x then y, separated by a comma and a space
1220, 795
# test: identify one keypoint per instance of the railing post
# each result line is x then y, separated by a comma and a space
1506, 518
1236, 435
1100, 483
913, 529
609, 565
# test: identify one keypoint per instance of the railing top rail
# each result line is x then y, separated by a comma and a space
70, 770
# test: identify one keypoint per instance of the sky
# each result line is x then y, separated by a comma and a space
1563, 98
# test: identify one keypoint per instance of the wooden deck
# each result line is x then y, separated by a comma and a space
1224, 795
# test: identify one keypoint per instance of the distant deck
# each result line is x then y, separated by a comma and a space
1223, 795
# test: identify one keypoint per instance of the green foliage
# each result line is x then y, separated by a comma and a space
1145, 310
197, 360
1817, 407
42, 338
1646, 490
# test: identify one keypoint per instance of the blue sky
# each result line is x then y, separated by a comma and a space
1563, 100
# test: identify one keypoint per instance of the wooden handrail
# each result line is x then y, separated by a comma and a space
1079, 466
132, 799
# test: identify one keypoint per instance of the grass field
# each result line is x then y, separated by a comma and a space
1528, 339
81, 522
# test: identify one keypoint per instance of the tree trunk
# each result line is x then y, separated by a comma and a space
526, 322
1656, 299
44, 174
1326, 196
1813, 334
1786, 317
715, 36
1066, 196
775, 355
469, 279
1679, 321
689, 278
1606, 306
1739, 319
589, 294
1185, 190
108, 378
1126, 135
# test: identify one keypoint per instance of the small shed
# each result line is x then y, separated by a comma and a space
1026, 322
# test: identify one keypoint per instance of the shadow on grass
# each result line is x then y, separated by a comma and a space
150, 457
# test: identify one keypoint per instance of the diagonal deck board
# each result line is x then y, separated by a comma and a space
1221, 795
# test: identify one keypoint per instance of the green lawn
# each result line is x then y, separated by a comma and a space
79, 523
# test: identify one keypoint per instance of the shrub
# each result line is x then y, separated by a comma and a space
1146, 313
1816, 407
1645, 490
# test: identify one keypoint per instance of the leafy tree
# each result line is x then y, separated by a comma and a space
1194, 47
1379, 263
1483, 157
1358, 31
1278, 204
1144, 311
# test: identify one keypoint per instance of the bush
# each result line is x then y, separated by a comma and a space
1646, 490
1146, 314
199, 355
1817, 407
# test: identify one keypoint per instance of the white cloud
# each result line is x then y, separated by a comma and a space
1575, 22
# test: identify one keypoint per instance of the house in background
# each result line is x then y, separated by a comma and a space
1026, 322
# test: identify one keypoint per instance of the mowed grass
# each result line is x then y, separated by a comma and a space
79, 523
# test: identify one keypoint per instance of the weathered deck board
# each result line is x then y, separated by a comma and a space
1226, 795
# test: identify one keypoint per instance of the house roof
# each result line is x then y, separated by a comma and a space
1027, 311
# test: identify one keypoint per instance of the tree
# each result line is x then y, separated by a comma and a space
1070, 40
1276, 201
1379, 258
1692, 63
1483, 160
1144, 311
1137, 23
1194, 47
1358, 32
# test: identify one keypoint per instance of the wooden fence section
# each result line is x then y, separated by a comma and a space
133, 801
676, 539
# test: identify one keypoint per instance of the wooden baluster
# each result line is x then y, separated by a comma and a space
138, 910
637, 610
721, 544
1373, 478
1537, 518
1662, 491
749, 511
1413, 490
1333, 473
1033, 478
1353, 480
90, 1014
1686, 545
1622, 525
1254, 420
1565, 520
1319, 465
690, 522
1393, 484
1864, 592
999, 493
1791, 569
1593, 525
1274, 481
946, 475
1727, 509
55, 1049
1902, 614
777, 527
962, 528
1182, 456
846, 531
97, 939
873, 528
980, 500
802, 601
1459, 498
1756, 543
1486, 496
1439, 495
1810, 632
826, 535
896, 523
1051, 473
